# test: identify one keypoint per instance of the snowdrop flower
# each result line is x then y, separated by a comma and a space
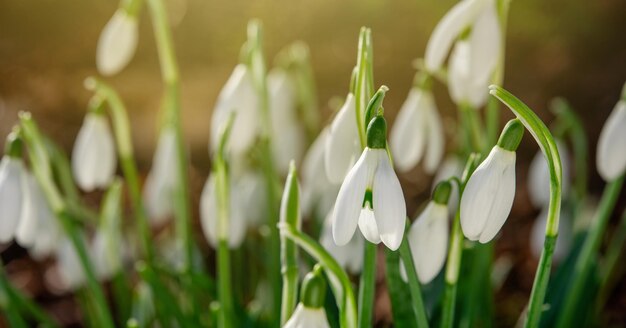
318, 193
209, 216
239, 96
611, 157
418, 132
36, 214
310, 311
69, 266
451, 166
94, 157
287, 135
342, 143
474, 58
489, 192
158, 190
428, 236
107, 244
117, 43
250, 192
539, 177
349, 256
12, 179
538, 235
371, 196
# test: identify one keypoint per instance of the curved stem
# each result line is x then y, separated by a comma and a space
367, 285
589, 252
415, 289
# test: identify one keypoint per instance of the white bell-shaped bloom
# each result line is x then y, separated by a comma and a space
238, 96
287, 134
69, 266
373, 172
307, 317
539, 177
473, 60
428, 240
538, 235
36, 214
12, 187
611, 157
349, 256
209, 216
158, 191
342, 143
117, 43
94, 158
106, 253
250, 189
488, 196
417, 132
318, 193
451, 166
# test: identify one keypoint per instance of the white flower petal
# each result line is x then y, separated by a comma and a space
68, 264
305, 317
314, 179
249, 194
159, 187
27, 228
209, 217
611, 157
389, 204
428, 239
488, 196
367, 225
117, 43
12, 173
436, 141
350, 198
342, 143
408, 135
106, 251
449, 27
485, 43
94, 157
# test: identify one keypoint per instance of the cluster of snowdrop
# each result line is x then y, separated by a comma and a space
261, 123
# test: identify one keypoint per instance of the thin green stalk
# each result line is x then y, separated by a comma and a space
414, 284
367, 285
608, 274
167, 308
290, 214
224, 288
589, 251
170, 75
121, 128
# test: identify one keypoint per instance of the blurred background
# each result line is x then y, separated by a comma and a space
575, 49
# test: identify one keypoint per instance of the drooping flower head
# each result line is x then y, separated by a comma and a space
342, 143
310, 311
611, 157
12, 180
158, 191
489, 192
118, 40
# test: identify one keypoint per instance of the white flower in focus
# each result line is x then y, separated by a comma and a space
342, 143
287, 134
117, 43
307, 317
611, 156
158, 191
418, 131
239, 96
68, 265
94, 158
372, 172
538, 235
539, 177
12, 188
428, 240
488, 196
349, 256
236, 225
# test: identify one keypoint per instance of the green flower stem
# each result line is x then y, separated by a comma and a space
170, 75
41, 166
289, 213
589, 252
337, 277
544, 138
166, 308
608, 273
8, 305
414, 284
121, 128
455, 250
367, 285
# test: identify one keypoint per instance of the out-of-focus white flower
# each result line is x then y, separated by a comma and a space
307, 317
250, 189
106, 252
36, 214
342, 143
318, 193
117, 43
372, 172
473, 59
539, 177
538, 235
94, 158
451, 166
611, 157
12, 188
488, 196
428, 240
237, 96
158, 191
349, 256
418, 130
287, 134
209, 216
69, 266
